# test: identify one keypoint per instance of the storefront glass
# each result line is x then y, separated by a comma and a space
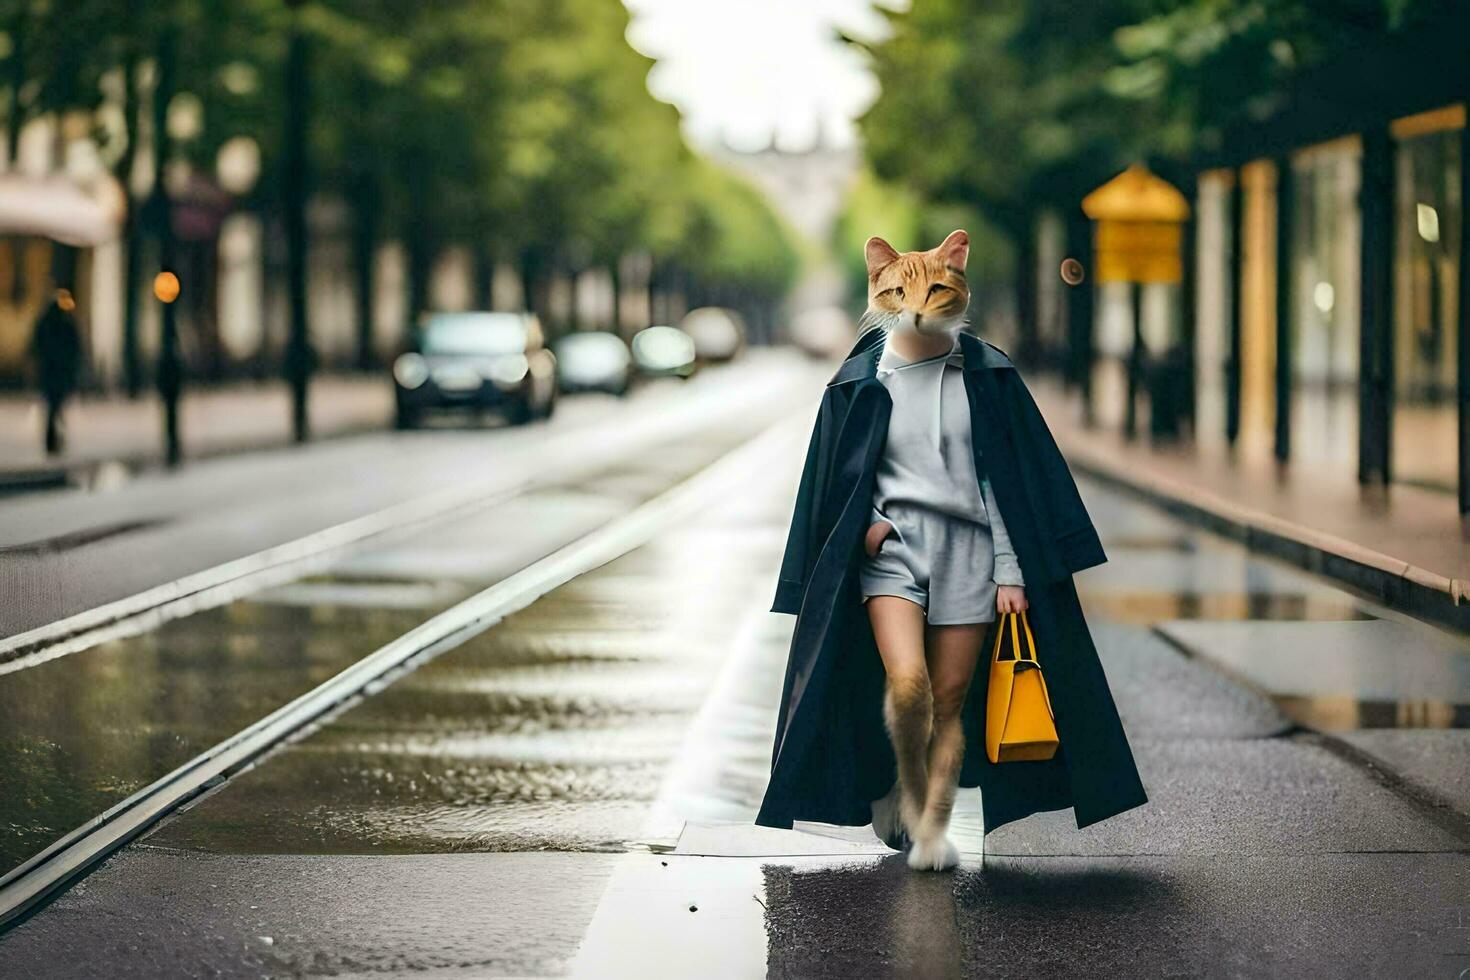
1325, 276
1426, 307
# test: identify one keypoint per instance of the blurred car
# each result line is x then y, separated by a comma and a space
826, 331
476, 362
718, 333
663, 351
594, 360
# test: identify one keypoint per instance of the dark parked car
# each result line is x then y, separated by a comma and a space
476, 362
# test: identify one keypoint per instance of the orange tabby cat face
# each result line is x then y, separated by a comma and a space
923, 291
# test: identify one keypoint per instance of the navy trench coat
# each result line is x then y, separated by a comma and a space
832, 755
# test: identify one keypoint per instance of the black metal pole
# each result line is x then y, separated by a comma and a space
1188, 296
1080, 311
1135, 362
132, 355
170, 366
1237, 295
1375, 367
1462, 323
1284, 325
1027, 340
299, 356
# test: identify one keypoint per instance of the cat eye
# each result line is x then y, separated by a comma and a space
937, 286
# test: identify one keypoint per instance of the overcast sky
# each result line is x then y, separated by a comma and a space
746, 70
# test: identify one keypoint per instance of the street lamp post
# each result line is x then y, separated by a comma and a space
166, 284
299, 356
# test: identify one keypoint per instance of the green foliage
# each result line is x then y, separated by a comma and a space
516, 126
1008, 105
736, 238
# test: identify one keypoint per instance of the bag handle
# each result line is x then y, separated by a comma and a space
1030, 640
1016, 622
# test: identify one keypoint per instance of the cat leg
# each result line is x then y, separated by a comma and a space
933, 850
908, 711
952, 654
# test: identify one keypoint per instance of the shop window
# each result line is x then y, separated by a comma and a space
1428, 220
1325, 274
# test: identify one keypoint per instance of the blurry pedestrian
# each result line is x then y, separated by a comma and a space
57, 344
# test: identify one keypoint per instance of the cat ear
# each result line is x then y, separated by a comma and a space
955, 251
879, 255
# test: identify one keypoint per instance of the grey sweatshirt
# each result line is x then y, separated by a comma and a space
928, 461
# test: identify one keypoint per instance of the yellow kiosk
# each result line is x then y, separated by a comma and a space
1138, 230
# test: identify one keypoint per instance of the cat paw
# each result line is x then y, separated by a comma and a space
887, 823
936, 853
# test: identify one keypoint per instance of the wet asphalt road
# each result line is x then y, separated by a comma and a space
65, 552
571, 791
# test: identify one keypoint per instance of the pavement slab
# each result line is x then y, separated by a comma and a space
1236, 797
1437, 761
1197, 701
154, 913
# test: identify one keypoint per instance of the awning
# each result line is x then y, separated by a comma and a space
56, 208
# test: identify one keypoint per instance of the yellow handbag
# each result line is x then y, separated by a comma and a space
1019, 724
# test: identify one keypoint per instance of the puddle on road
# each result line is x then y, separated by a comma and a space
1322, 655
1340, 675
80, 733
1345, 713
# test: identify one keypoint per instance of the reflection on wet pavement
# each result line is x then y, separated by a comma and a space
80, 733
1273, 916
1337, 676
1145, 608
1160, 568
552, 731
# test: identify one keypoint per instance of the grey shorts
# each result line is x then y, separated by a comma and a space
945, 564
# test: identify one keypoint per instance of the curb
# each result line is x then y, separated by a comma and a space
1390, 581
82, 473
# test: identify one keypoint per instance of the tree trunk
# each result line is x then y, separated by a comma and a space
574, 314
364, 256
615, 276
299, 356
1026, 326
484, 276
132, 358
17, 82
420, 242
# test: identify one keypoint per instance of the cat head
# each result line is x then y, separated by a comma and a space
923, 291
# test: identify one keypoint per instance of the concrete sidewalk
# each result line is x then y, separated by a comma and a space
1406, 549
228, 418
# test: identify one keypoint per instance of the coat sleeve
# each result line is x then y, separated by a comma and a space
1066, 521
800, 546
